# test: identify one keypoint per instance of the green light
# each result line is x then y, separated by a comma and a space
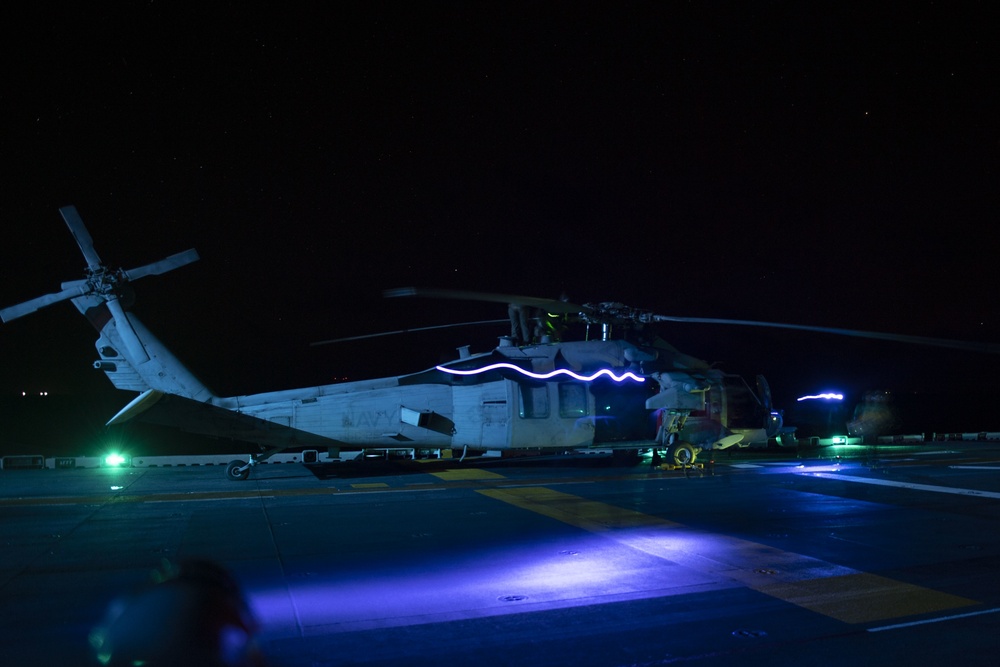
114, 460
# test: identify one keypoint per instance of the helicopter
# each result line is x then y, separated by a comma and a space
535, 394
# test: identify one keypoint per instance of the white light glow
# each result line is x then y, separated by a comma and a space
824, 397
628, 375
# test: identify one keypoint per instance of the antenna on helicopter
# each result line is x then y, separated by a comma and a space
403, 331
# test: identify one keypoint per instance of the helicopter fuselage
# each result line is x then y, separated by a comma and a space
553, 397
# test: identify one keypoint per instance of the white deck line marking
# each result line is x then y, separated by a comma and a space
934, 620
908, 485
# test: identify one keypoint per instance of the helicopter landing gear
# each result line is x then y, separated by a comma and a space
682, 454
237, 470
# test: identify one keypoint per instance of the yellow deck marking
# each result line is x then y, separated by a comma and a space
459, 474
863, 598
832, 590
373, 485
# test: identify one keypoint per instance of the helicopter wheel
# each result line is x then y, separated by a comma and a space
682, 453
233, 472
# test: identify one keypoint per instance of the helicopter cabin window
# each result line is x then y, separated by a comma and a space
534, 401
572, 400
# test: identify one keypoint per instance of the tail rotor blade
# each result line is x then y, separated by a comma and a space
167, 264
70, 290
101, 284
82, 236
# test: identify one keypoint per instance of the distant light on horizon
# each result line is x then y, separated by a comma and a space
822, 397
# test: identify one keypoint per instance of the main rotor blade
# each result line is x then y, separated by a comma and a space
70, 290
127, 333
82, 236
990, 348
403, 331
550, 305
175, 261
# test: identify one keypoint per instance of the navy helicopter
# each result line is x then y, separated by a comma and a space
537, 394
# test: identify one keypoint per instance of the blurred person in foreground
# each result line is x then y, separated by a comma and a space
194, 614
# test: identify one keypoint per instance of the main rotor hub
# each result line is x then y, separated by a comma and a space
614, 312
106, 283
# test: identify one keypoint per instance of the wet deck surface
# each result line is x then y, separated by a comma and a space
771, 560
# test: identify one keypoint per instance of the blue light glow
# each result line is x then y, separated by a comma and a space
822, 397
628, 375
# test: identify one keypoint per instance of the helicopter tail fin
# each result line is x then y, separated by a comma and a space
137, 361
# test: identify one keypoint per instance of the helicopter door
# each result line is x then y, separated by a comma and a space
495, 424
553, 415
482, 415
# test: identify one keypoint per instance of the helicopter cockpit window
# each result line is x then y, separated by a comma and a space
572, 400
534, 403
742, 407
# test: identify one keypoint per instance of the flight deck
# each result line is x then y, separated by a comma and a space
888, 554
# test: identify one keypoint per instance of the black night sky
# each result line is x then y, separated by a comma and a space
816, 163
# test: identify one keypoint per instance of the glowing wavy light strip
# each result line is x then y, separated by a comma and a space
825, 397
628, 375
